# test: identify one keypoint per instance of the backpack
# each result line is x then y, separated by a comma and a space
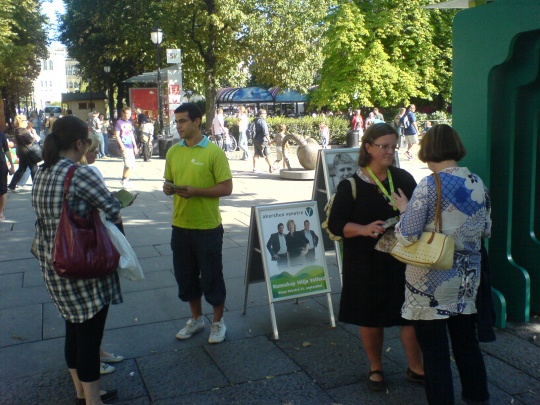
328, 210
405, 121
250, 133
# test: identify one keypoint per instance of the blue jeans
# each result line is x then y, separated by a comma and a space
433, 340
243, 143
105, 137
101, 148
198, 265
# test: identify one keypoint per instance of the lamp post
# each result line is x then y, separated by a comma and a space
107, 70
90, 85
157, 36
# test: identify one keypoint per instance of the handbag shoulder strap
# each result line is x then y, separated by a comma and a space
67, 180
438, 215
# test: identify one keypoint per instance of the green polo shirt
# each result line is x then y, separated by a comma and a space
201, 166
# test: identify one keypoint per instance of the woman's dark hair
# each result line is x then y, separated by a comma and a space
441, 142
373, 133
65, 133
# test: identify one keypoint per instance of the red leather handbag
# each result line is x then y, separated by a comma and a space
82, 246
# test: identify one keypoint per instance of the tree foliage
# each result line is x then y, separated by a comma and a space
23, 41
102, 33
225, 40
384, 53
222, 41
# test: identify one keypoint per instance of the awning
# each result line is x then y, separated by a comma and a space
151, 77
246, 95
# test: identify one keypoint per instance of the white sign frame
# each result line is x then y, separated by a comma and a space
303, 275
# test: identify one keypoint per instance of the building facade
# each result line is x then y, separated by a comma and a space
59, 74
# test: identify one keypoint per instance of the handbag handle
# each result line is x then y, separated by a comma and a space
438, 215
67, 180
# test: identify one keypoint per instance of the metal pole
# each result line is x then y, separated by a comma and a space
160, 109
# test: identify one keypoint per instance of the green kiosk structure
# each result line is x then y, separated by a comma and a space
496, 109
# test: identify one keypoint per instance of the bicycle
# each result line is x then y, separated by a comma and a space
218, 140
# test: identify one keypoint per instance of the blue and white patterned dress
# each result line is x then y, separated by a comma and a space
438, 294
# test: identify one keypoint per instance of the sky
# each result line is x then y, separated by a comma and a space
50, 8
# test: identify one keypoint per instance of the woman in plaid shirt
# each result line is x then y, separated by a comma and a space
82, 303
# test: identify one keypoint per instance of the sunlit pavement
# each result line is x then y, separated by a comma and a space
311, 363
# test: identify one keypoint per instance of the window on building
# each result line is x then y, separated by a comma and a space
83, 106
50, 84
50, 65
70, 85
44, 65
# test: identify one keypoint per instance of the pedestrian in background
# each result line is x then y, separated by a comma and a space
4, 171
125, 137
261, 141
243, 123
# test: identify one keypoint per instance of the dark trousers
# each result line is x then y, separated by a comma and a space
146, 151
198, 264
433, 339
24, 163
82, 345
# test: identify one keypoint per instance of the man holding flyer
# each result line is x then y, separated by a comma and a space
197, 173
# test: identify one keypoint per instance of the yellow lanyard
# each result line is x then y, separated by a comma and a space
383, 189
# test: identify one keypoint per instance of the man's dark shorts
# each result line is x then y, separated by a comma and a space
261, 150
198, 265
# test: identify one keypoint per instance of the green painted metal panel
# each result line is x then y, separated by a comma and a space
495, 103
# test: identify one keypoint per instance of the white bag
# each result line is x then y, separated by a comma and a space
128, 266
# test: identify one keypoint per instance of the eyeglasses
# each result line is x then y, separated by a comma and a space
87, 141
181, 121
386, 147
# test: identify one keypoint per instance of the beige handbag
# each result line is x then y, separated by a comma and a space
434, 250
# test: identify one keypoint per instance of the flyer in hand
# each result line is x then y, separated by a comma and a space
125, 197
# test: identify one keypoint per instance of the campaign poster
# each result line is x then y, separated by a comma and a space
339, 164
292, 250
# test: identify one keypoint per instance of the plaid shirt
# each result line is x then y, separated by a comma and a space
76, 300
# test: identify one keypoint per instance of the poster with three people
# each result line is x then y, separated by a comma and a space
292, 250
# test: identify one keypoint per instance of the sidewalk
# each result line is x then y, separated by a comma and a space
310, 364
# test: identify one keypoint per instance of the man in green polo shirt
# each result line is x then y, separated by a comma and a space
197, 173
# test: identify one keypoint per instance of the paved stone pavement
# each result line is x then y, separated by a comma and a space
311, 363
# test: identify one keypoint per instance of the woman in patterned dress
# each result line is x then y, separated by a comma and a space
83, 303
441, 301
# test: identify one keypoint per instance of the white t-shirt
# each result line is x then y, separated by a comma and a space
218, 124
243, 122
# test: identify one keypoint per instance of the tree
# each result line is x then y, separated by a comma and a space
23, 42
220, 40
109, 33
286, 42
386, 59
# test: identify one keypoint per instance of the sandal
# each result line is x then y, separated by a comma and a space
415, 378
376, 385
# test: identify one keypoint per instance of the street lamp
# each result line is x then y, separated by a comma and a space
107, 70
157, 36
90, 85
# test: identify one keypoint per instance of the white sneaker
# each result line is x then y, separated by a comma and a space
105, 368
192, 326
113, 358
217, 332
